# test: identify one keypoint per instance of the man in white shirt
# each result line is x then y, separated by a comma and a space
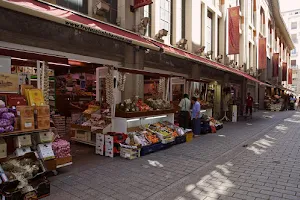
184, 115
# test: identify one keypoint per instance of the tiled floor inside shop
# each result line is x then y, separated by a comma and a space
254, 159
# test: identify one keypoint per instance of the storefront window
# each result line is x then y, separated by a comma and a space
76, 5
165, 17
147, 13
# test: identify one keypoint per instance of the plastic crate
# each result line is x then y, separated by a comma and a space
151, 148
189, 136
168, 145
130, 153
180, 139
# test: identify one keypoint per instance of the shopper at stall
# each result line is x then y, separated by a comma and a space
196, 122
249, 102
184, 115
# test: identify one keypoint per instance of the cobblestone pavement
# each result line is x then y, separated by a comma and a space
254, 159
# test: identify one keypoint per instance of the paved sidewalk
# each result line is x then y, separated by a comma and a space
214, 166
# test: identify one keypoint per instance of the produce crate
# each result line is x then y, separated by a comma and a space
63, 161
168, 145
130, 153
180, 139
151, 148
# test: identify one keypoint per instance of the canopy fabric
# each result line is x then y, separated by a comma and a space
75, 20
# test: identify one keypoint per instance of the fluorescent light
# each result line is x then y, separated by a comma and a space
202, 111
133, 120
53, 63
156, 117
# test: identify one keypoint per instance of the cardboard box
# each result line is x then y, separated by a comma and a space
17, 124
45, 151
109, 146
45, 137
62, 161
23, 141
27, 124
35, 97
21, 151
25, 111
3, 148
42, 111
43, 122
16, 100
50, 164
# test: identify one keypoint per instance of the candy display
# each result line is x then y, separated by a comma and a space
7, 119
61, 148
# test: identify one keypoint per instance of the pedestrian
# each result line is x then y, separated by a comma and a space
196, 122
249, 104
185, 108
298, 105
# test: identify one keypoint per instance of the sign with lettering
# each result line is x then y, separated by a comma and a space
9, 82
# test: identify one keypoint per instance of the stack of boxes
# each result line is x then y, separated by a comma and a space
22, 144
42, 117
99, 144
27, 120
60, 124
25, 117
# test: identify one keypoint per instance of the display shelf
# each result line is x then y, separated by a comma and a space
15, 133
91, 143
89, 128
121, 125
143, 113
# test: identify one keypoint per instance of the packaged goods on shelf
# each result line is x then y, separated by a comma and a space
35, 97
16, 100
23, 141
7, 120
27, 124
3, 148
45, 137
45, 151
22, 151
42, 111
43, 122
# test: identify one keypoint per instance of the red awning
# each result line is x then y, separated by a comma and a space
186, 55
75, 20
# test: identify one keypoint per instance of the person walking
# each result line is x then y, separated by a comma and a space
196, 122
184, 115
298, 105
249, 104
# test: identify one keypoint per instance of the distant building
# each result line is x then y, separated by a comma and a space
292, 20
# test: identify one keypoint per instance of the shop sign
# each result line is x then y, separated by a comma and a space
290, 76
275, 64
141, 3
284, 71
262, 53
234, 30
9, 82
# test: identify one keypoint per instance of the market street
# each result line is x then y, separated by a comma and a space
254, 159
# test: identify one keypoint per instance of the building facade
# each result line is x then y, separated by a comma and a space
292, 20
181, 37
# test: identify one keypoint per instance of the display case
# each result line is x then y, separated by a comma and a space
122, 125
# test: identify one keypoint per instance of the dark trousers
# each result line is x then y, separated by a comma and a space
184, 119
196, 126
247, 109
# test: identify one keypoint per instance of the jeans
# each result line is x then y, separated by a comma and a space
184, 119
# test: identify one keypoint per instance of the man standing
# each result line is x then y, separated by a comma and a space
184, 115
196, 116
249, 104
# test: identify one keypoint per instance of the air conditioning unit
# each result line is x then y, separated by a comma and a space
101, 7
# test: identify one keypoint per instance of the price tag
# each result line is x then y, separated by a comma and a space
28, 124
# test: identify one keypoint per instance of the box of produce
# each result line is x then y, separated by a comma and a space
129, 152
42, 111
25, 111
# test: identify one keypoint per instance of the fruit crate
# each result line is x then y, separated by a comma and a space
129, 152
180, 139
151, 148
